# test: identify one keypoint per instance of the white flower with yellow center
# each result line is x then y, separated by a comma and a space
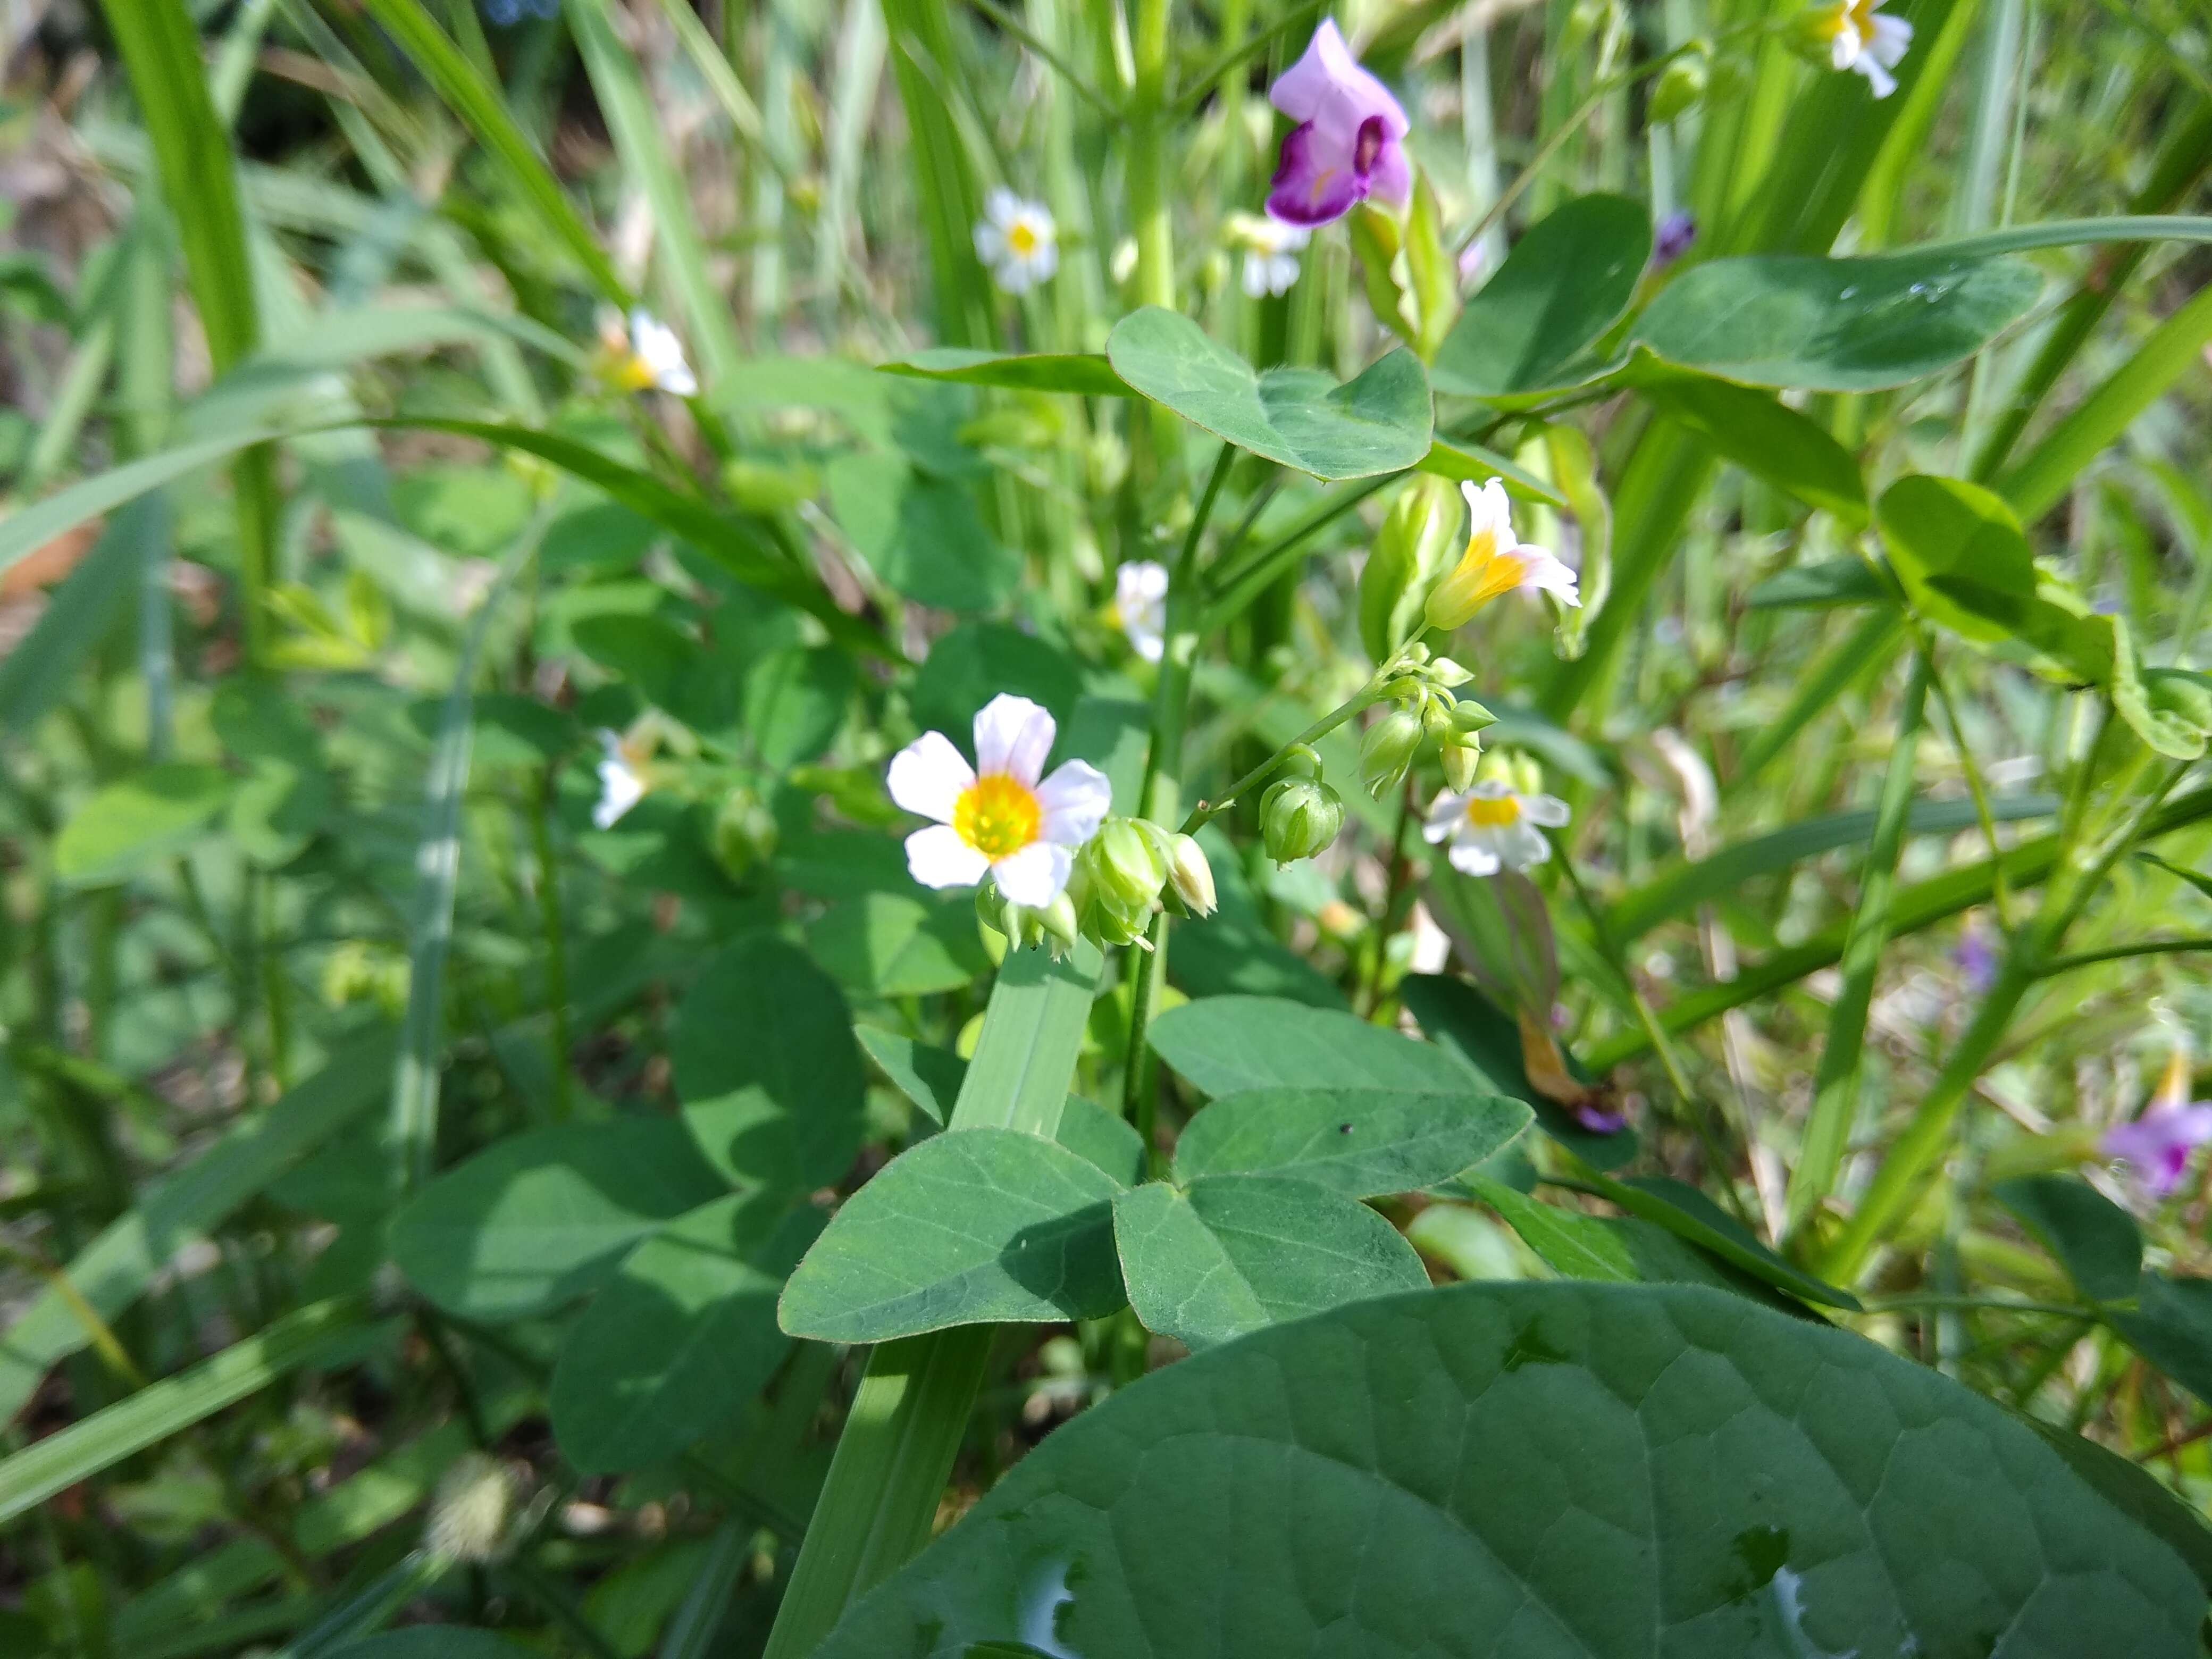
621, 787
1140, 606
1496, 561
1493, 827
645, 355
996, 816
1271, 247
1019, 240
1859, 39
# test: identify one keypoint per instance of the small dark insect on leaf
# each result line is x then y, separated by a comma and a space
1343, 1128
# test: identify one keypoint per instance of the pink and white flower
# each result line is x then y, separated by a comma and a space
1348, 144
2157, 1145
1000, 816
1140, 606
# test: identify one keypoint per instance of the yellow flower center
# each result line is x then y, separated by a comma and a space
1022, 238
626, 371
998, 815
1855, 15
1492, 812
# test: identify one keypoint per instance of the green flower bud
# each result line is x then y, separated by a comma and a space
1299, 817
743, 836
1056, 924
1098, 917
1190, 875
1680, 89
1125, 866
1444, 672
1469, 716
1458, 759
1387, 749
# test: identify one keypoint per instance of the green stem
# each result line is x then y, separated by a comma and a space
1232, 591
1836, 1086
1160, 798
1367, 696
556, 950
2086, 857
2154, 947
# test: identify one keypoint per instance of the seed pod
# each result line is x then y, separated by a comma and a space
1125, 866
1299, 817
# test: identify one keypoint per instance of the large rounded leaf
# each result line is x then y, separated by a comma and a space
1532, 327
1835, 324
540, 1219
769, 1072
1526, 1471
684, 1332
1378, 421
1230, 1254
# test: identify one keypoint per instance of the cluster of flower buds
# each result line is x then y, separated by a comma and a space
1424, 710
1121, 878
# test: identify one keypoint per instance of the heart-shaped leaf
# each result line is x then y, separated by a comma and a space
1377, 422
973, 1226
1084, 371
1531, 329
1225, 1045
1835, 324
768, 1067
1496, 1470
1362, 1143
1230, 1254
538, 1219
2095, 1239
685, 1327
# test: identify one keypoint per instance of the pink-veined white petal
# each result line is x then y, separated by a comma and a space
1076, 799
929, 776
1013, 736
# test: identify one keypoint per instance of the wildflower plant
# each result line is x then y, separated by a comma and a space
1373, 871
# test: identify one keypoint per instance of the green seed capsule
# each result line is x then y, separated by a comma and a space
1299, 817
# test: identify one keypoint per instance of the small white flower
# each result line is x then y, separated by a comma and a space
644, 354
1860, 39
1491, 827
1140, 606
996, 816
1019, 240
1271, 252
620, 786
1496, 561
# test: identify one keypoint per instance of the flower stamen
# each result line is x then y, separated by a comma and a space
998, 815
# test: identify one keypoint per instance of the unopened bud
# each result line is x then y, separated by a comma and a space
1299, 817
470, 1509
1191, 876
1460, 760
1680, 87
744, 835
1387, 749
1469, 716
1056, 923
1446, 673
1126, 867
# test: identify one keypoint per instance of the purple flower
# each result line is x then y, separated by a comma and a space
1346, 146
1977, 959
2157, 1145
1672, 239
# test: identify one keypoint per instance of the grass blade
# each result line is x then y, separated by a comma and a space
482, 109
691, 1633
636, 127
414, 1123
1836, 1085
115, 1269
907, 1418
108, 1437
